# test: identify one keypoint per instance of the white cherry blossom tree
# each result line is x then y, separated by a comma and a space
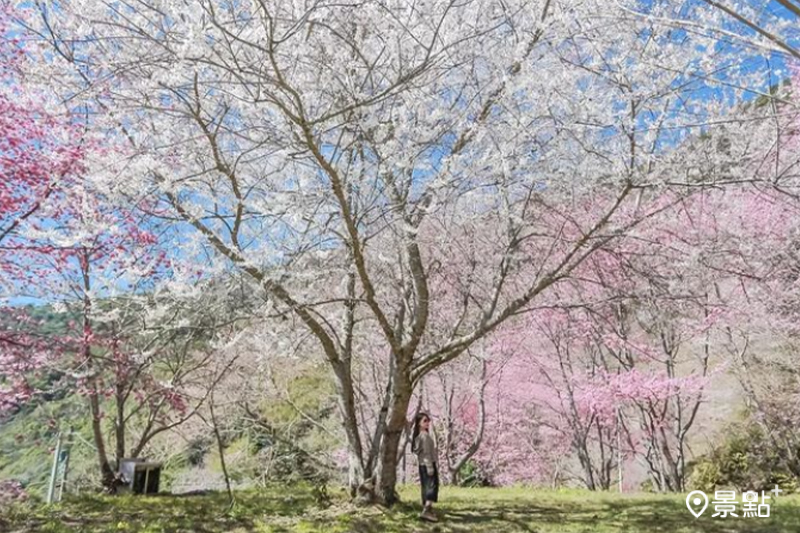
400, 178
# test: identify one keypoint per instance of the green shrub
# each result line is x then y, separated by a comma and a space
746, 460
647, 486
472, 475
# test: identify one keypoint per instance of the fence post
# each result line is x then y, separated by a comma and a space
51, 489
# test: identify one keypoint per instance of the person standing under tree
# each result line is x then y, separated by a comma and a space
424, 447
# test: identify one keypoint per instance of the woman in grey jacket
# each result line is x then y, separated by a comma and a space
424, 447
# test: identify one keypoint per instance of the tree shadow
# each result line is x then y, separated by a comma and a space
290, 511
650, 516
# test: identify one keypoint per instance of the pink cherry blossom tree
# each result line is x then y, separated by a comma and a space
622, 371
24, 355
139, 372
41, 156
457, 401
41, 150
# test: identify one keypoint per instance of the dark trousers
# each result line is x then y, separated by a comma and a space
429, 483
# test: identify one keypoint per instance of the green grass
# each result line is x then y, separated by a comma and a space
292, 509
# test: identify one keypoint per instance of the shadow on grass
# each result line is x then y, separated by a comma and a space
669, 517
646, 516
601, 515
196, 513
289, 510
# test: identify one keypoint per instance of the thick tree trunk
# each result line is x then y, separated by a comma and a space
386, 474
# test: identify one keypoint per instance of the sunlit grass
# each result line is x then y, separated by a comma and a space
293, 509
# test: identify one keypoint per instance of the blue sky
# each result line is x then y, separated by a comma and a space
773, 69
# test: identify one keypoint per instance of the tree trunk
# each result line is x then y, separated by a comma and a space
347, 410
455, 469
586, 462
107, 475
221, 451
386, 474
119, 426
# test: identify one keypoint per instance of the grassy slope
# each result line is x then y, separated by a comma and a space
27, 441
283, 510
